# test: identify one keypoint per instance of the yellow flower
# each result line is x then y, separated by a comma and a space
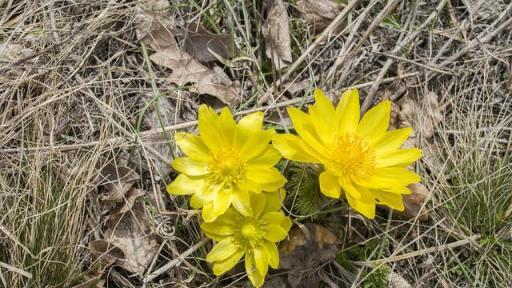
225, 163
253, 236
360, 157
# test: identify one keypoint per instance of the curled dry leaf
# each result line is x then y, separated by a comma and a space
130, 233
277, 35
425, 117
318, 14
153, 23
117, 180
397, 281
105, 252
306, 248
413, 202
185, 69
11, 52
207, 47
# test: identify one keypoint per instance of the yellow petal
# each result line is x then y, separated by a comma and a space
322, 115
294, 148
349, 188
391, 200
248, 185
306, 130
242, 202
392, 140
217, 228
347, 111
227, 127
272, 254
268, 158
222, 250
274, 200
329, 185
252, 272
367, 209
197, 201
227, 264
275, 233
190, 167
270, 179
208, 128
258, 202
375, 122
260, 259
248, 126
222, 202
208, 213
390, 177
183, 185
398, 157
276, 218
256, 144
192, 146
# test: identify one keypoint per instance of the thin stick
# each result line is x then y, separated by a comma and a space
16, 270
175, 261
439, 248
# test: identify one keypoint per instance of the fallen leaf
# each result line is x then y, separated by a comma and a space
130, 198
413, 202
207, 47
131, 233
318, 14
12, 52
277, 35
397, 281
117, 180
107, 253
424, 118
153, 16
185, 69
306, 248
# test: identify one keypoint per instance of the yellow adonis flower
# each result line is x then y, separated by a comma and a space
361, 158
225, 163
253, 236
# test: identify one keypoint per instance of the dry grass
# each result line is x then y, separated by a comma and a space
81, 89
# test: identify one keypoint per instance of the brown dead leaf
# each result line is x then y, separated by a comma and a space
318, 14
153, 23
306, 248
413, 202
131, 233
397, 281
12, 52
117, 181
425, 117
129, 201
185, 69
277, 35
207, 47
107, 253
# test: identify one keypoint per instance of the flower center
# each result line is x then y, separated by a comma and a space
226, 167
250, 233
351, 156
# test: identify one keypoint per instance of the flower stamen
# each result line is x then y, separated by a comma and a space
351, 156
